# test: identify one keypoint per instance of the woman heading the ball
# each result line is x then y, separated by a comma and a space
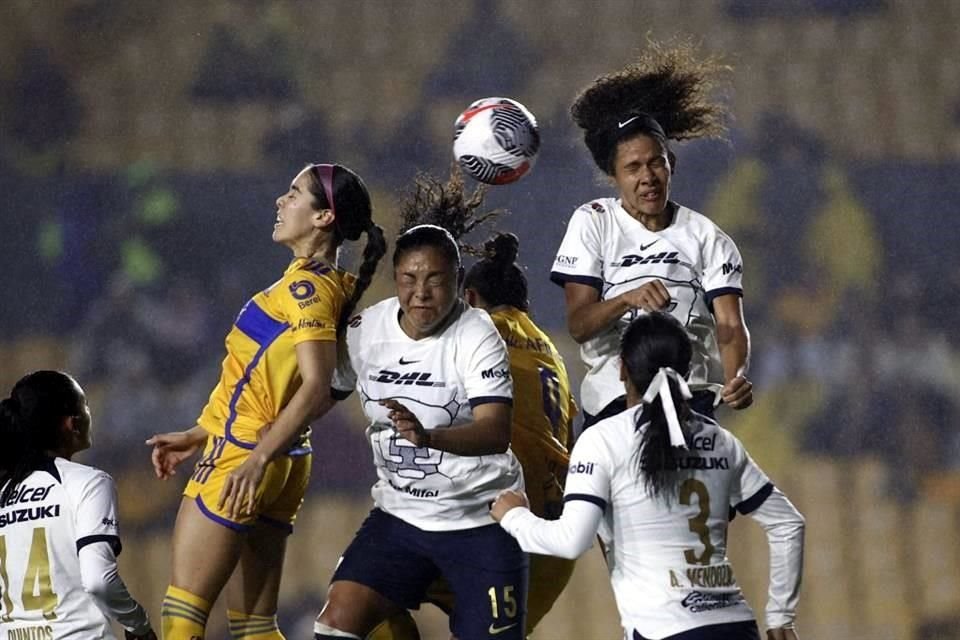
433, 377
640, 251
243, 497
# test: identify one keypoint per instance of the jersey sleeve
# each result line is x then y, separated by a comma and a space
590, 472
750, 485
722, 266
96, 517
580, 257
311, 302
485, 364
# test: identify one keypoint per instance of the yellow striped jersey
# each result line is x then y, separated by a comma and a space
543, 407
260, 374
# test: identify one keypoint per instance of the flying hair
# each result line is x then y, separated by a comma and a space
447, 205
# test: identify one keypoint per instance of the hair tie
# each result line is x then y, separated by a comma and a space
660, 386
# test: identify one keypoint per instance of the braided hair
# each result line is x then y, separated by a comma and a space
339, 189
497, 278
30, 420
665, 94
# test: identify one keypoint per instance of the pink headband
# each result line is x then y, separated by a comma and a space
325, 173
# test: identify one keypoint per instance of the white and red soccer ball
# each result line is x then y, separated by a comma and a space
496, 140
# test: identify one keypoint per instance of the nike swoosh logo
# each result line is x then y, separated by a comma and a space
494, 630
402, 361
644, 247
621, 125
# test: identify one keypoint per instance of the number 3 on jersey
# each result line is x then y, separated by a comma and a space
698, 523
37, 592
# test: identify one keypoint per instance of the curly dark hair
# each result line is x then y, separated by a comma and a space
446, 205
497, 277
666, 94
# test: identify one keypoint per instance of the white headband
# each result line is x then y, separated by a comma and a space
660, 386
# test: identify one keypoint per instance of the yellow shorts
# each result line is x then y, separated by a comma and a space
278, 497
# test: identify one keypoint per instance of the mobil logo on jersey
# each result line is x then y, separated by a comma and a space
585, 468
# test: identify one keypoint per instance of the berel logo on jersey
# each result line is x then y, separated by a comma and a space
302, 289
581, 467
493, 372
631, 259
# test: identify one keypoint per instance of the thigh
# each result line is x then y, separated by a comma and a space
387, 555
487, 573
204, 552
254, 585
730, 631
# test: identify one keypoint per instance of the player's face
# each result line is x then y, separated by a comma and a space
642, 173
427, 290
296, 217
82, 423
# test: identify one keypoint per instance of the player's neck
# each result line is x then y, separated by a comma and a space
322, 250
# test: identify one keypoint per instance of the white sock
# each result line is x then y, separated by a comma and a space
321, 630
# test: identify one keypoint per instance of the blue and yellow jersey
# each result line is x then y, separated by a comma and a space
260, 373
543, 408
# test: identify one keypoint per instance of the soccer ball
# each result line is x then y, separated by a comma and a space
496, 140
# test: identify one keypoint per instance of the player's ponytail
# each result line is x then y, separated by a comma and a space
656, 353
374, 250
341, 190
30, 424
497, 278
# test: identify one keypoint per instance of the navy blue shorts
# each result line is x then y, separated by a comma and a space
729, 631
484, 566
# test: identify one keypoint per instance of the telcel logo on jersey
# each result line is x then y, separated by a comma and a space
581, 467
631, 259
493, 372
27, 494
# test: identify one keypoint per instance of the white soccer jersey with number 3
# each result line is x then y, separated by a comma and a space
604, 247
439, 379
51, 516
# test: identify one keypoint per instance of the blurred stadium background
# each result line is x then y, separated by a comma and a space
143, 144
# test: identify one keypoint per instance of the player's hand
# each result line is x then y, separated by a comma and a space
781, 633
738, 393
149, 635
507, 500
170, 449
406, 423
239, 494
650, 296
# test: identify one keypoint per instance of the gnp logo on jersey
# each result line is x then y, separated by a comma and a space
493, 372
566, 261
302, 289
581, 467
631, 259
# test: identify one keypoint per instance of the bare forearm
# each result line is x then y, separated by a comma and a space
478, 438
591, 319
304, 407
734, 346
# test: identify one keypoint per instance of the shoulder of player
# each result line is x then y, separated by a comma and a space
473, 322
597, 208
698, 223
75, 474
372, 315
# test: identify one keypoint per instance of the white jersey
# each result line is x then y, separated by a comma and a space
608, 249
50, 517
439, 379
668, 563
